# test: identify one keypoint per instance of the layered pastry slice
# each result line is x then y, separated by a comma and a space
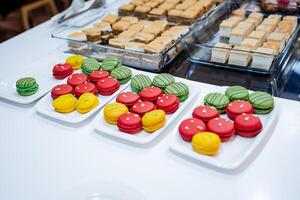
130, 19
270, 21
111, 19
157, 13
174, 15
250, 43
262, 58
257, 16
285, 28
272, 45
151, 4
118, 42
247, 25
241, 12
128, 34
220, 53
267, 28
144, 37
291, 20
142, 11
93, 34
164, 40
135, 46
237, 35
120, 26
226, 27
104, 27
154, 47
136, 27
126, 9
189, 16
259, 35
280, 38
240, 56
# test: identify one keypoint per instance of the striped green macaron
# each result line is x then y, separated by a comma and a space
139, 82
217, 100
179, 89
262, 102
163, 80
27, 86
89, 65
110, 63
237, 93
122, 74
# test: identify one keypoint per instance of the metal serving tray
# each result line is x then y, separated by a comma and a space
200, 41
145, 61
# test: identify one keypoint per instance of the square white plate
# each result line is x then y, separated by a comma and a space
41, 70
233, 153
44, 107
142, 137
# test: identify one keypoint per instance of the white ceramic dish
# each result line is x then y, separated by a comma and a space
44, 107
142, 137
234, 153
41, 70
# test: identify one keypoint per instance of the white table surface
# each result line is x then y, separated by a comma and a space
40, 158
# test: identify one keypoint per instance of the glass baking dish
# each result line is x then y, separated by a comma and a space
147, 61
200, 42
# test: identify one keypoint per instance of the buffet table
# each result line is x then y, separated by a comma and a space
42, 159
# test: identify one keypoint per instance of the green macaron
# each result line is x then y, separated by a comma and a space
139, 82
237, 93
122, 74
110, 63
89, 65
163, 80
179, 89
262, 102
217, 100
27, 86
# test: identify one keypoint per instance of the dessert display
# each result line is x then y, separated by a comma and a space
147, 105
254, 40
27, 86
223, 116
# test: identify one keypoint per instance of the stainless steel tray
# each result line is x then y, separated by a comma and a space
200, 41
145, 61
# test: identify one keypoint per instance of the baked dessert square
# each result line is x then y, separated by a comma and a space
275, 17
258, 16
164, 40
105, 38
151, 4
287, 30
104, 27
268, 28
130, 19
146, 23
270, 21
174, 35
280, 38
126, 9
272, 45
110, 19
189, 14
226, 27
253, 21
158, 11
163, 24
141, 11
93, 34
135, 46
78, 36
235, 19
153, 30
241, 12
250, 43
137, 2
144, 37
262, 58
167, 6
120, 26
136, 27
285, 23
259, 35
240, 56
154, 47
199, 9
118, 42
174, 15
248, 26
220, 53
237, 35
128, 34
292, 19
183, 6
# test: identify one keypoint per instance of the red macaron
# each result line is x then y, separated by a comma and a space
222, 127
238, 107
189, 127
62, 89
95, 76
84, 88
150, 93
142, 107
205, 113
107, 86
168, 102
130, 123
247, 125
76, 79
128, 98
61, 71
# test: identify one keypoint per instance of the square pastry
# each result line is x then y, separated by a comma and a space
272, 45
250, 43
280, 38
128, 34
154, 47
257, 16
259, 35
268, 28
248, 25
144, 37
262, 58
270, 21
120, 26
241, 12
237, 35
130, 19
126, 9
110, 19
226, 27
104, 27
135, 46
240, 56
118, 42
220, 52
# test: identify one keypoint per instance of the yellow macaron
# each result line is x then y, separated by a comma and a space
113, 111
154, 120
207, 143
87, 102
76, 61
65, 103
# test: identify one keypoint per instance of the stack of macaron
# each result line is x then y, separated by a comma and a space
148, 103
93, 81
206, 129
63, 70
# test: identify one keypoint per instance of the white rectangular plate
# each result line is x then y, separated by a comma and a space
44, 107
142, 137
233, 153
41, 70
